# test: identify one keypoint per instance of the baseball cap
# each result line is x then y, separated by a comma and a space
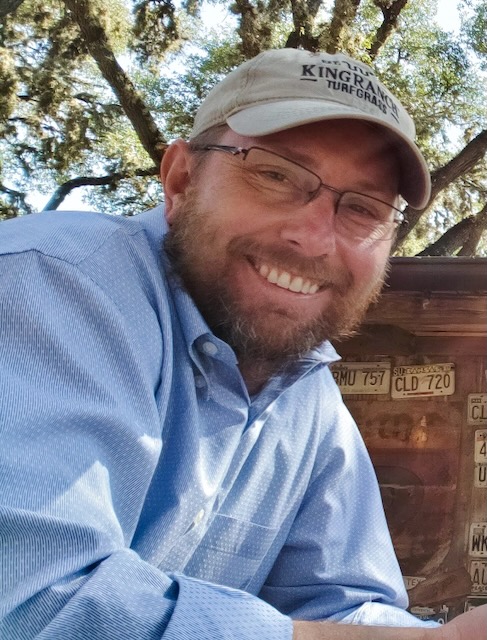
284, 88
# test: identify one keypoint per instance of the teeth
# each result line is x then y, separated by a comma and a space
272, 277
296, 284
285, 280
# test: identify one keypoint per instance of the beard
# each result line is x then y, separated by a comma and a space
262, 337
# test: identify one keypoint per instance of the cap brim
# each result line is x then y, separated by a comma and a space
271, 117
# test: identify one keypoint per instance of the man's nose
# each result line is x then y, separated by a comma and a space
311, 227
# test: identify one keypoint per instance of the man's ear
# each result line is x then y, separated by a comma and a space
175, 178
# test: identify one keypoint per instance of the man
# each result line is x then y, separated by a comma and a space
177, 461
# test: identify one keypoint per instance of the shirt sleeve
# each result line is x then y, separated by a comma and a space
338, 562
80, 430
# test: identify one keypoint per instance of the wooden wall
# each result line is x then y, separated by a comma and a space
421, 408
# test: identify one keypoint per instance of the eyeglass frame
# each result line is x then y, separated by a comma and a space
399, 217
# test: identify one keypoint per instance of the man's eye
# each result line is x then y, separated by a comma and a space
273, 175
274, 181
362, 209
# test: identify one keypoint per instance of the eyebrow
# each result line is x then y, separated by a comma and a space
292, 154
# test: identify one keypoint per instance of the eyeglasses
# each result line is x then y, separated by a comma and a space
280, 181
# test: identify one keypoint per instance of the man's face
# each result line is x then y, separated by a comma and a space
229, 248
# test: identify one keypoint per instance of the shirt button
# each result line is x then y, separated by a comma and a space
210, 348
199, 382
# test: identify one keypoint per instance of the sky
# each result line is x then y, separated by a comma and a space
447, 17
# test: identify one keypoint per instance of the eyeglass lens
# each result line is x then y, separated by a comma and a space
282, 181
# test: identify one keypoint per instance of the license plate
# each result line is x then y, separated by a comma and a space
412, 581
478, 540
480, 475
362, 377
480, 454
478, 574
480, 458
477, 408
423, 380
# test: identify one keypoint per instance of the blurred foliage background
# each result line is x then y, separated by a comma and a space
92, 91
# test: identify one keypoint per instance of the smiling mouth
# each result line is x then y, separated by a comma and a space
286, 280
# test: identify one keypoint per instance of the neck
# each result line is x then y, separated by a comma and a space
256, 374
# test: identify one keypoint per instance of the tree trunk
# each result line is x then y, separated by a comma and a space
390, 11
344, 13
303, 20
134, 107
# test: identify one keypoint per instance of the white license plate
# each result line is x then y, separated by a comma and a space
480, 454
477, 408
478, 540
423, 380
478, 574
362, 377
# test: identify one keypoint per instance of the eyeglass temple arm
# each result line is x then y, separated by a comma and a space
222, 147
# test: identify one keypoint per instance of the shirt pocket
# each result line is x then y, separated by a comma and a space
231, 551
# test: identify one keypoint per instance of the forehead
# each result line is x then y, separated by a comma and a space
338, 148
323, 134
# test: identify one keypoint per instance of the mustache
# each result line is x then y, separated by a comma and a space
316, 269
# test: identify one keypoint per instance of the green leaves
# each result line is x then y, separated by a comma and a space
82, 107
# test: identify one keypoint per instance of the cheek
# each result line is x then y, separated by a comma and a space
238, 219
368, 265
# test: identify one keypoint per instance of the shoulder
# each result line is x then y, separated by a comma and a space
331, 416
70, 235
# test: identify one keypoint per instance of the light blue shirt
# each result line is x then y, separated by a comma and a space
143, 493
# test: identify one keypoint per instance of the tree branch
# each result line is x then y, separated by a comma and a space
249, 29
463, 162
96, 41
8, 6
344, 12
479, 227
92, 181
303, 20
465, 235
17, 199
390, 11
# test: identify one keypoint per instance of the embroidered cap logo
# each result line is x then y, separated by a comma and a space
354, 81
